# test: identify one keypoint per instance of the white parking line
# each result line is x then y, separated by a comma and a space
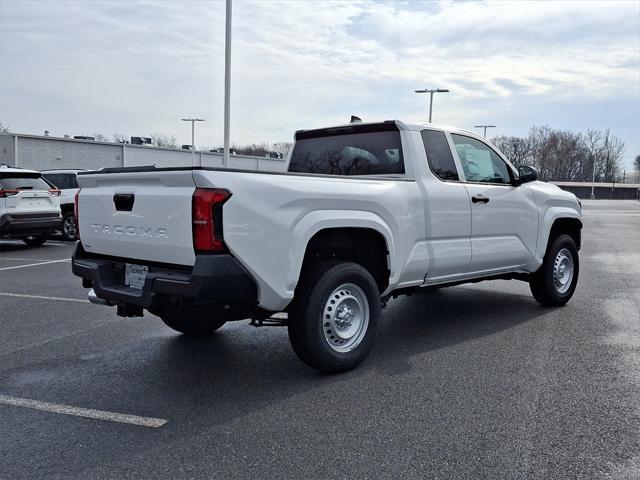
83, 412
18, 259
42, 297
35, 264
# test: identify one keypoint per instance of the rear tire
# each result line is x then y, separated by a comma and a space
556, 279
193, 326
35, 240
69, 228
335, 315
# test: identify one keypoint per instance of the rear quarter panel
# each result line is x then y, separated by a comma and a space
269, 220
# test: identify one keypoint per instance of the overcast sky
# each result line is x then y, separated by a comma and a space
79, 67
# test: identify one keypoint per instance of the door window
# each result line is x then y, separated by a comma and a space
479, 162
439, 155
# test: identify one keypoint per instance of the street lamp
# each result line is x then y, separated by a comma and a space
227, 82
431, 91
193, 137
485, 128
593, 180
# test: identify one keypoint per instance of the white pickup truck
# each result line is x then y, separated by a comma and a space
366, 211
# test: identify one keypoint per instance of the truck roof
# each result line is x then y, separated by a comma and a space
404, 126
64, 170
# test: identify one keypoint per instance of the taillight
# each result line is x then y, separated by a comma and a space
54, 192
8, 193
75, 212
206, 215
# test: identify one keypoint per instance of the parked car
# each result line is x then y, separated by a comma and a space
366, 211
66, 181
29, 206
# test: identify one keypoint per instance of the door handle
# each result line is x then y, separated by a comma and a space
124, 202
480, 199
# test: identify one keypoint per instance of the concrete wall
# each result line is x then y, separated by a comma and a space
41, 154
45, 153
136, 155
619, 191
7, 155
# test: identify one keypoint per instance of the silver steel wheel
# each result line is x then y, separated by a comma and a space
563, 271
69, 227
345, 318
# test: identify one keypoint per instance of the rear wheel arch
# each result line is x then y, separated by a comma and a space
362, 245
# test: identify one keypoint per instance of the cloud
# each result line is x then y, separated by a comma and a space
137, 67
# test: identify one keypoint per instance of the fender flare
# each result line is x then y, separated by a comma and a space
316, 221
550, 216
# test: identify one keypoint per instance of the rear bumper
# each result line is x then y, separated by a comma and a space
22, 225
215, 280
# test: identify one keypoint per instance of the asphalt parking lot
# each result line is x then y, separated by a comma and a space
469, 382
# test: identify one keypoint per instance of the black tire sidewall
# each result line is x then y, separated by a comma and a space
309, 319
64, 235
188, 323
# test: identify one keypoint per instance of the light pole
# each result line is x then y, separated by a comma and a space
485, 128
431, 91
593, 180
193, 137
227, 82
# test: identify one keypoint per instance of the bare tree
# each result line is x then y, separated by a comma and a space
119, 138
161, 140
255, 149
516, 149
636, 163
100, 138
563, 155
281, 147
4, 128
611, 156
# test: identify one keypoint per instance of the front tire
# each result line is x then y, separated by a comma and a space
35, 240
556, 279
335, 315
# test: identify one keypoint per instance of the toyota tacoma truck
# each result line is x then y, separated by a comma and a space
365, 212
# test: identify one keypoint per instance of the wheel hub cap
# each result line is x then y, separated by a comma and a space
563, 271
345, 317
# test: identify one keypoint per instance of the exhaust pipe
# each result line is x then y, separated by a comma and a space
93, 298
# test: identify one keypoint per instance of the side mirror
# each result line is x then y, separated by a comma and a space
527, 174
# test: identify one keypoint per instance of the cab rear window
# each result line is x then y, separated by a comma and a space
23, 181
354, 150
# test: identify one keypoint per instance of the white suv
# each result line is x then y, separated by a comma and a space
66, 181
29, 206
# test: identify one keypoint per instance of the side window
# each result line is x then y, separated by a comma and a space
72, 181
55, 178
479, 162
439, 155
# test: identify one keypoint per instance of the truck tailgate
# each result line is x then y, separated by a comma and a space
138, 215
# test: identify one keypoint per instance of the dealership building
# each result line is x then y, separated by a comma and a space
40, 152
